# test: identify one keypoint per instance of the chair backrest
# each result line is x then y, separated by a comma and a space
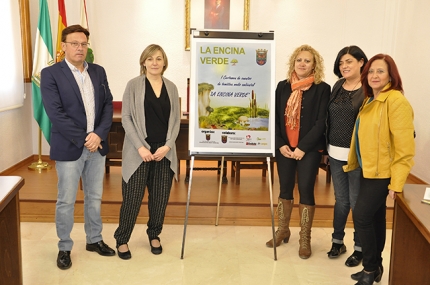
117, 105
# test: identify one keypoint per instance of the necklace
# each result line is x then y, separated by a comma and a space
353, 89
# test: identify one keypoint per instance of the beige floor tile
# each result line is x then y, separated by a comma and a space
212, 255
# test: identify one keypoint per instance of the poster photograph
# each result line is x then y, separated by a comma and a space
232, 90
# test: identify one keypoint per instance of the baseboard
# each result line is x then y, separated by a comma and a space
35, 157
27, 161
195, 221
44, 211
416, 180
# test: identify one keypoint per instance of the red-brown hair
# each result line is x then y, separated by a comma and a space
393, 72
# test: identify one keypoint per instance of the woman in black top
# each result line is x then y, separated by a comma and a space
301, 110
151, 120
345, 100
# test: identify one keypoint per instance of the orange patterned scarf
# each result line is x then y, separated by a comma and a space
293, 107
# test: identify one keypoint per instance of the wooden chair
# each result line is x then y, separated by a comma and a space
261, 163
207, 168
326, 167
250, 163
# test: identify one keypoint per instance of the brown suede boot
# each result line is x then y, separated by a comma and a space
306, 218
285, 207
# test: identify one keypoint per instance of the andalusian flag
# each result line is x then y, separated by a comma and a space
84, 23
43, 57
62, 24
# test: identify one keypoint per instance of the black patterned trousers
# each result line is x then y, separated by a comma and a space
157, 177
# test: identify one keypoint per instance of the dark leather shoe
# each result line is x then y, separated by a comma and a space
378, 274
357, 276
124, 255
63, 260
101, 248
336, 250
353, 260
367, 278
155, 250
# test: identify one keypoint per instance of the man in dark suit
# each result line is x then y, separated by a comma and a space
78, 102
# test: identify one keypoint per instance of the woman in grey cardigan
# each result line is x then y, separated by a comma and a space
151, 120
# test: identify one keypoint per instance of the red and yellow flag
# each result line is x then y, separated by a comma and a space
84, 23
62, 24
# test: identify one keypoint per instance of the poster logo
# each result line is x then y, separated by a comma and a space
261, 56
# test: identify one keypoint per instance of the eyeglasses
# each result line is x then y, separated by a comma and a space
76, 44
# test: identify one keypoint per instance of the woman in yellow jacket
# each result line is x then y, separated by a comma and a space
383, 147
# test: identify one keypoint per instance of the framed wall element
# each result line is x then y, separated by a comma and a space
26, 39
196, 16
217, 14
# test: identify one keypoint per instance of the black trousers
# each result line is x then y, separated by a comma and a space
157, 177
307, 169
369, 217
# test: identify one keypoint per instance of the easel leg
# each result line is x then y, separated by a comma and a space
219, 191
188, 206
269, 168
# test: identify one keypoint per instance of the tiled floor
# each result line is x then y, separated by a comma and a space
212, 255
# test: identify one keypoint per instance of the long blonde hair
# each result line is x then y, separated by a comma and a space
319, 63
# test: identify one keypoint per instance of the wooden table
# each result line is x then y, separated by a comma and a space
410, 244
115, 138
10, 236
116, 141
183, 153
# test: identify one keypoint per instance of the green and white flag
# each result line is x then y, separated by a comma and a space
43, 57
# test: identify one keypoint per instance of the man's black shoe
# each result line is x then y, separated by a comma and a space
101, 248
63, 260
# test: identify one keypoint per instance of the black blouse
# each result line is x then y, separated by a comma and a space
341, 118
157, 113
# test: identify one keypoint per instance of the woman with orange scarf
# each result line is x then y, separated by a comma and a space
301, 109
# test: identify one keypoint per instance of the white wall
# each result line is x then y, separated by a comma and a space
413, 59
120, 30
327, 25
16, 133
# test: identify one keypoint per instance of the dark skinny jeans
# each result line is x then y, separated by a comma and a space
369, 220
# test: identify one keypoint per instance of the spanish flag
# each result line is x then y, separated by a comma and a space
62, 24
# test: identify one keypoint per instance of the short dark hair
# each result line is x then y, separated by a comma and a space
393, 72
74, 29
355, 51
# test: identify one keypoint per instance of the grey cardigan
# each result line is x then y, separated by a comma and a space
133, 122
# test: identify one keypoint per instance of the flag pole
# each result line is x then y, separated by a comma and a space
39, 165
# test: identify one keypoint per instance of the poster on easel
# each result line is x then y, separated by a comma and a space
232, 91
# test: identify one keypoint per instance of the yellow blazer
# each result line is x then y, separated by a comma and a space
386, 139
